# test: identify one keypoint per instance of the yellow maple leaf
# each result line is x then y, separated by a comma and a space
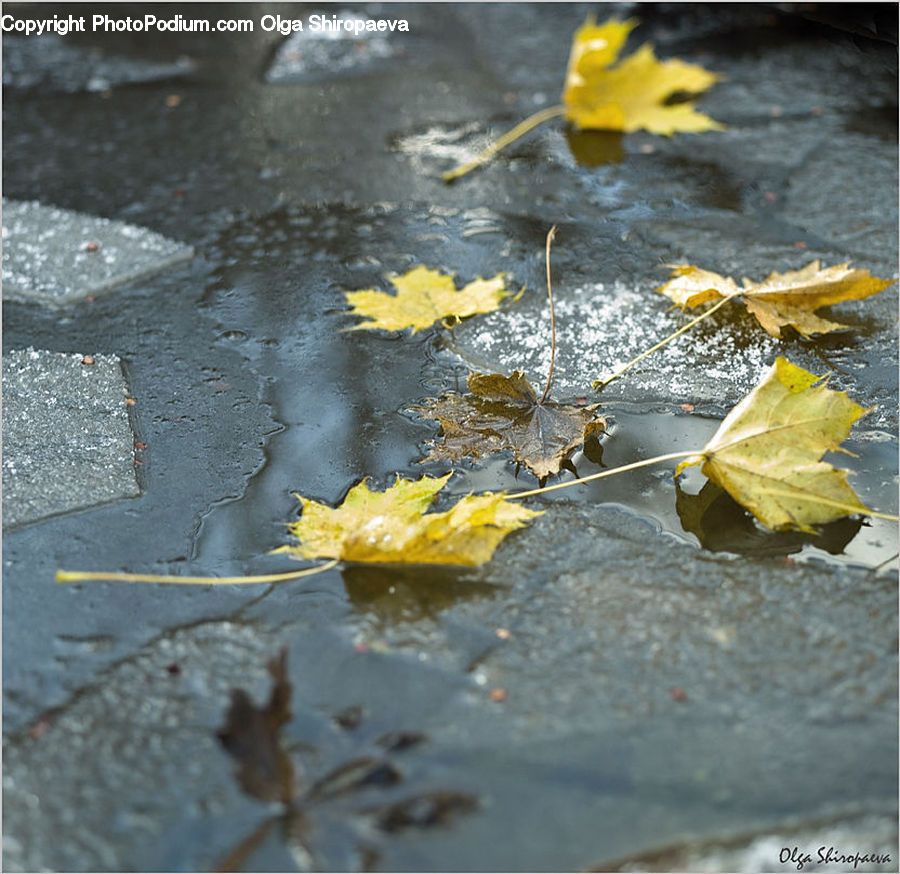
423, 297
393, 527
633, 95
641, 93
767, 452
781, 299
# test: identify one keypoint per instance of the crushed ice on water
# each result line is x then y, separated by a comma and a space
601, 327
443, 143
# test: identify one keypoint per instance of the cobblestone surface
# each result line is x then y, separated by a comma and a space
59, 256
67, 438
613, 694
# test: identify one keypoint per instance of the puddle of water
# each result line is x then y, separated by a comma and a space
338, 397
695, 511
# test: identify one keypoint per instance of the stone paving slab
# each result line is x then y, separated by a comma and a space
589, 723
50, 63
67, 438
53, 255
832, 847
311, 55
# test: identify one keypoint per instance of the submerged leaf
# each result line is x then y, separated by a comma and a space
393, 527
782, 299
766, 453
423, 297
503, 413
636, 94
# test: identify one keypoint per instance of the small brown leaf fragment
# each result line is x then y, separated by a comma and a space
422, 811
677, 694
251, 736
91, 247
498, 694
503, 413
687, 408
350, 718
88, 359
173, 100
400, 741
139, 445
130, 401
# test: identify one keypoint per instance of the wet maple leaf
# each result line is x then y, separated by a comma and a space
633, 95
781, 299
393, 526
721, 524
767, 452
504, 413
423, 297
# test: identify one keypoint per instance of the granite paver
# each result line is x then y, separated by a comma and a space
48, 63
67, 438
58, 256
321, 54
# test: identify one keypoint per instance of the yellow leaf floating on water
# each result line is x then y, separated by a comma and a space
767, 452
423, 297
781, 299
393, 527
641, 93
633, 95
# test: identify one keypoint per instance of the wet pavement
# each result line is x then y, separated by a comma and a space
642, 679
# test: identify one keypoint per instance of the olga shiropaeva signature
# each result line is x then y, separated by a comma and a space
825, 855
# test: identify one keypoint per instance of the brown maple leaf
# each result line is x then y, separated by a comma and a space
504, 413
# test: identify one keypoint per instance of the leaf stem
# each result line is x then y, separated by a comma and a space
887, 561
600, 384
79, 576
550, 235
518, 131
852, 509
604, 473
